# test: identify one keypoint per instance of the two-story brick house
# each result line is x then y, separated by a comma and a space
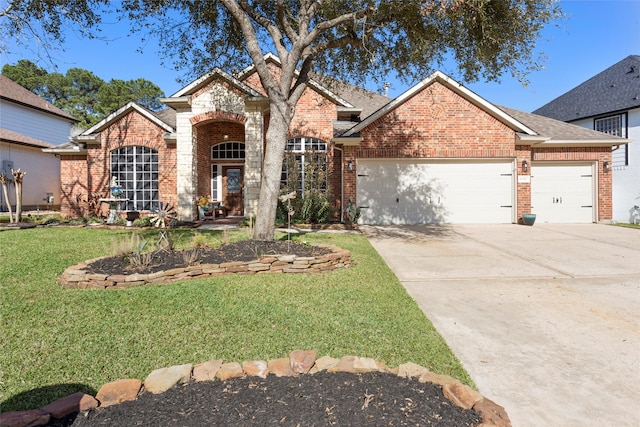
437, 153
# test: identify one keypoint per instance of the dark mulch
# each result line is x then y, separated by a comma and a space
245, 250
323, 399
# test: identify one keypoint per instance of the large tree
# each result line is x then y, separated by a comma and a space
355, 40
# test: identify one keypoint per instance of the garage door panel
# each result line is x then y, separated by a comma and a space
562, 193
401, 192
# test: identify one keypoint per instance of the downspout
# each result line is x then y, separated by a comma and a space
341, 182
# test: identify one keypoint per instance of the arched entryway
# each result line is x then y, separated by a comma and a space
227, 176
221, 164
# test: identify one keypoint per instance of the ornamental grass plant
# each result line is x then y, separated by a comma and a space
58, 341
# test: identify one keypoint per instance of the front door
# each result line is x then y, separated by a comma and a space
232, 187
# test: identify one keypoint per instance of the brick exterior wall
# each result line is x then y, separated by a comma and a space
74, 192
91, 180
523, 204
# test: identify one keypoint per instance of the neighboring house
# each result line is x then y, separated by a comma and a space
610, 102
29, 124
438, 153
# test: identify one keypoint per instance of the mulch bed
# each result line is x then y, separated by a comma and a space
245, 250
322, 399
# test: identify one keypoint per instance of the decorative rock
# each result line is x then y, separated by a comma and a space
256, 368
365, 364
206, 371
118, 391
493, 415
438, 379
354, 364
281, 367
229, 370
163, 379
461, 395
323, 364
302, 361
76, 402
36, 417
76, 277
411, 370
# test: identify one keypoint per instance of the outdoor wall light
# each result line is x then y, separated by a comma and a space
606, 166
525, 166
350, 165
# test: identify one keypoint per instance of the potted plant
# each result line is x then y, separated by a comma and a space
528, 218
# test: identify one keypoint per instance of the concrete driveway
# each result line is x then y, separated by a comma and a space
546, 319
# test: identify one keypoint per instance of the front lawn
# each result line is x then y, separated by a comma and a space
57, 341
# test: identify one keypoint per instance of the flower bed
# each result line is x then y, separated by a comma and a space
80, 276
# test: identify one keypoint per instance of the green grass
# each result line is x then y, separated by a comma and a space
627, 225
57, 341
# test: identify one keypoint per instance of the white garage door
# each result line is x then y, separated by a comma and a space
563, 193
433, 192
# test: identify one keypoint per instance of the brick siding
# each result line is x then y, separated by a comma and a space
91, 180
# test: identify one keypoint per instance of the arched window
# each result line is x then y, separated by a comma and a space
305, 165
228, 151
136, 169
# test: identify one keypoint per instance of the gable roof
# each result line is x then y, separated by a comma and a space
615, 89
13, 92
207, 78
314, 84
90, 134
364, 101
530, 128
447, 81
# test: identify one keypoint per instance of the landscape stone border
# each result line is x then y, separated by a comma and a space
298, 362
76, 276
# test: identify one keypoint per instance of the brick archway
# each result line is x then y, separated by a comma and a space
210, 116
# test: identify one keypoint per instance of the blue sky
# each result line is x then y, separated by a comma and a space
595, 35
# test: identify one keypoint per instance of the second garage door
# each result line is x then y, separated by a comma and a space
433, 192
563, 193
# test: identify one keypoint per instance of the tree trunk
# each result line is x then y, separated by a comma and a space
17, 178
5, 190
271, 172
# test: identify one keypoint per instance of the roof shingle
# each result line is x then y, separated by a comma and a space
12, 91
615, 89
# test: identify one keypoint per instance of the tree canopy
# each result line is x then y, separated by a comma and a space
81, 93
353, 40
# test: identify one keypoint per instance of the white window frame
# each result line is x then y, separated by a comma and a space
136, 179
302, 145
615, 125
216, 182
